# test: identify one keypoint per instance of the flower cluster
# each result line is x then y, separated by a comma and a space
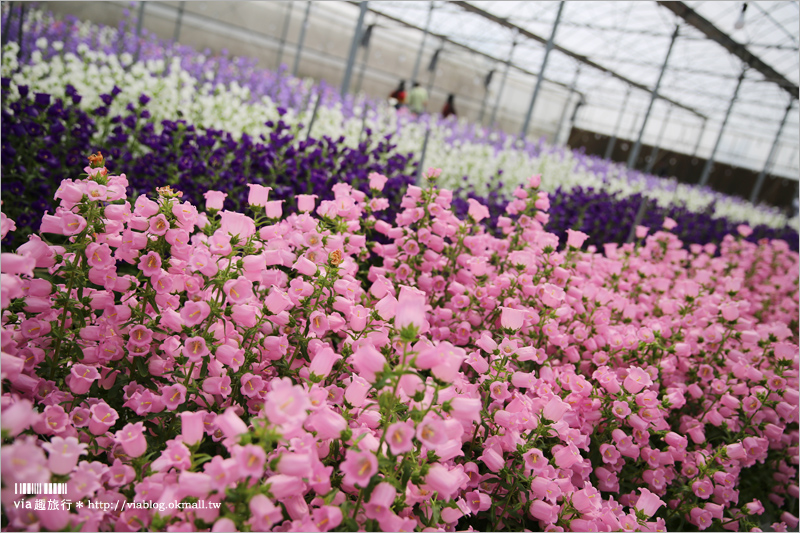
328, 369
43, 138
214, 159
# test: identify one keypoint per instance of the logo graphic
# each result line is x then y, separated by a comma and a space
40, 488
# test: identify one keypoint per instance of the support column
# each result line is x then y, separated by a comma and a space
503, 81
566, 106
710, 161
700, 137
486, 82
302, 38
365, 39
424, 151
351, 58
657, 147
432, 67
638, 146
547, 49
7, 25
767, 166
422, 46
139, 23
574, 117
287, 19
178, 21
23, 6
613, 140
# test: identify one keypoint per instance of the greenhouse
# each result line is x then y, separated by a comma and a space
400, 266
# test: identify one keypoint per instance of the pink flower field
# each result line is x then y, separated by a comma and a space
183, 368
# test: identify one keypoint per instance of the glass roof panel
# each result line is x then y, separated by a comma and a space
632, 38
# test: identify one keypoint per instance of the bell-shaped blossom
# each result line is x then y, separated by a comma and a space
636, 380
230, 423
285, 402
82, 377
323, 361
258, 194
102, 418
215, 199
367, 361
512, 318
358, 467
410, 308
399, 436
63, 454
192, 426
132, 439
380, 502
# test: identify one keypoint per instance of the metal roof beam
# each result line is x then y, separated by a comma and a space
739, 50
583, 59
446, 39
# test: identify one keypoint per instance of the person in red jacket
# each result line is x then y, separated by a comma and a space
449, 106
399, 95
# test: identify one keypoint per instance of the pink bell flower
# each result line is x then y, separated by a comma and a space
399, 436
132, 439
192, 426
512, 318
380, 502
305, 266
251, 458
367, 361
264, 513
648, 503
327, 517
219, 385
323, 362
576, 238
194, 313
636, 380
285, 402
258, 194
277, 301
101, 418
274, 209
544, 511
359, 467
195, 348
327, 423
477, 210
230, 424
444, 481
64, 454
82, 377
251, 385
377, 181
19, 416
410, 308
306, 202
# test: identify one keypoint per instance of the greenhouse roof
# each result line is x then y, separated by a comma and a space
630, 40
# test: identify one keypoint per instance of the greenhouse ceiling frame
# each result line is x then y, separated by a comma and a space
583, 59
739, 50
447, 40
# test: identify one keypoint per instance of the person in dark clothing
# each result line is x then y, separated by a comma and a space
399, 94
449, 106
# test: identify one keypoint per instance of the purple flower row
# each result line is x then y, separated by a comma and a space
43, 139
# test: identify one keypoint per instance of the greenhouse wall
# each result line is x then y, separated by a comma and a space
253, 29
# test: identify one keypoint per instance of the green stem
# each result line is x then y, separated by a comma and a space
63, 324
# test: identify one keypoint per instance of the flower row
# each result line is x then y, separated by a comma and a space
331, 370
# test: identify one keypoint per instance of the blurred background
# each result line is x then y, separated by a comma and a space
703, 91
